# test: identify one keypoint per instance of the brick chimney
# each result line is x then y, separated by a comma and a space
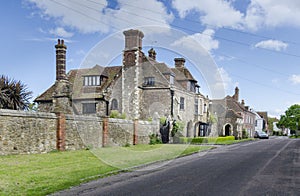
133, 39
236, 94
179, 62
61, 49
243, 102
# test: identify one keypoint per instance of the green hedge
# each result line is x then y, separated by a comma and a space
205, 140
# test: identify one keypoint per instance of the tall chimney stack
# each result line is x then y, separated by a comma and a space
179, 62
133, 39
236, 94
61, 49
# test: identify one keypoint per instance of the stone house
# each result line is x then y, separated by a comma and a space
233, 116
141, 88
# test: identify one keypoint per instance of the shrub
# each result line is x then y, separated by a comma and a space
116, 114
127, 145
227, 138
205, 140
244, 134
177, 127
162, 120
185, 140
154, 139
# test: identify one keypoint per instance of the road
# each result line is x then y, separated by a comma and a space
262, 167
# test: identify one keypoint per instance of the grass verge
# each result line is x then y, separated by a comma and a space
42, 174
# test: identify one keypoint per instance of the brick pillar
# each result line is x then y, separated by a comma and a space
135, 131
61, 132
105, 132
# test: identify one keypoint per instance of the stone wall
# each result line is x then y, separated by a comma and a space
38, 132
83, 132
27, 132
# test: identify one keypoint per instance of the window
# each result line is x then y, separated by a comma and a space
196, 107
192, 86
92, 81
149, 81
181, 103
89, 108
171, 79
201, 106
114, 104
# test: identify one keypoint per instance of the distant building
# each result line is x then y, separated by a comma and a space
233, 116
261, 121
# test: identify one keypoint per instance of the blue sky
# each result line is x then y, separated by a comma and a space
254, 44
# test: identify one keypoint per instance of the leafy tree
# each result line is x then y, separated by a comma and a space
291, 118
13, 94
270, 123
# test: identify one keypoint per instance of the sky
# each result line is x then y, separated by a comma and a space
252, 44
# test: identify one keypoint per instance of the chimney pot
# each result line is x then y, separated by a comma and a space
179, 62
152, 54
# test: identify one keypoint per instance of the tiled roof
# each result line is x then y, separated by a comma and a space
187, 74
75, 77
264, 115
47, 95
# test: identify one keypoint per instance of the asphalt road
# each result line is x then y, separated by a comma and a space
262, 167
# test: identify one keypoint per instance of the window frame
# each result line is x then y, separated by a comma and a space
181, 103
89, 108
196, 106
92, 80
114, 104
149, 81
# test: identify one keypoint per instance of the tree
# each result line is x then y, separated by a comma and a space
291, 118
13, 94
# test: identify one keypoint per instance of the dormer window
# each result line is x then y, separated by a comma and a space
149, 81
171, 79
192, 86
92, 81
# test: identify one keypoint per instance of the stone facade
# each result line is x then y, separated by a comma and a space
141, 88
38, 132
233, 116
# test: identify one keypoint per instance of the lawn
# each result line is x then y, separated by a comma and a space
42, 174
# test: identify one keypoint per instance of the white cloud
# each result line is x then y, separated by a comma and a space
224, 81
295, 79
272, 45
61, 32
96, 16
213, 12
273, 13
205, 39
259, 13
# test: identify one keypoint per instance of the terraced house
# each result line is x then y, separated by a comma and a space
234, 117
141, 88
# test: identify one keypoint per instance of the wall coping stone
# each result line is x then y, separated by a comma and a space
84, 118
118, 120
28, 114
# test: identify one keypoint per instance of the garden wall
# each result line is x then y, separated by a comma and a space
38, 132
